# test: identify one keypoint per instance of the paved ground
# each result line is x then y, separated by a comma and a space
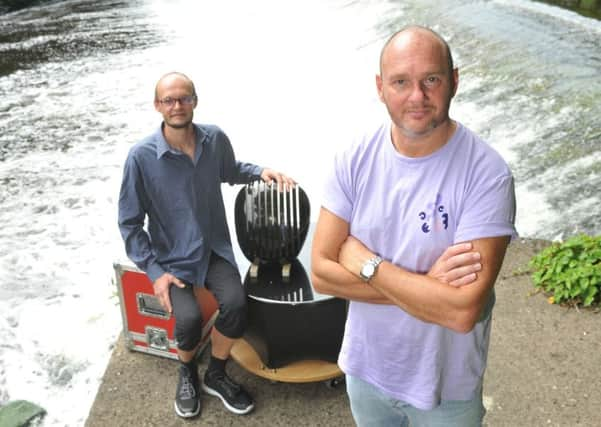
543, 371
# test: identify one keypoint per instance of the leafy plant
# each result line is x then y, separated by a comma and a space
570, 271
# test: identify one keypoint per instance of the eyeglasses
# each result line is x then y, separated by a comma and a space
184, 100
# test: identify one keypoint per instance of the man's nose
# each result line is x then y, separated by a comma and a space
418, 91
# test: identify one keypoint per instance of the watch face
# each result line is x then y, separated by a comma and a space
368, 270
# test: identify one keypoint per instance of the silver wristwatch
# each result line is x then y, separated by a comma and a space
369, 268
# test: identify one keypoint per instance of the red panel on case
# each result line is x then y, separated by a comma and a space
144, 320
134, 283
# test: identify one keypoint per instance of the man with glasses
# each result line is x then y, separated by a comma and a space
173, 177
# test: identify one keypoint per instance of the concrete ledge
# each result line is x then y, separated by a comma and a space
138, 390
543, 371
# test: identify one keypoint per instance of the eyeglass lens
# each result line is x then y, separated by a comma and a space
184, 100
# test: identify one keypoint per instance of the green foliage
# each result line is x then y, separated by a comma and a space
570, 271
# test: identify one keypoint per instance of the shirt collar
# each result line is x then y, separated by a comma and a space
163, 146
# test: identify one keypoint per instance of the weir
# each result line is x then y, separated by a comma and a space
290, 87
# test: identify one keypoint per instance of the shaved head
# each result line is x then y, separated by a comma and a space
413, 30
173, 75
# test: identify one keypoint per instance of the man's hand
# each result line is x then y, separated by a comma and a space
457, 266
161, 289
284, 182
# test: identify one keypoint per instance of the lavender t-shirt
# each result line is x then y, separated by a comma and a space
409, 210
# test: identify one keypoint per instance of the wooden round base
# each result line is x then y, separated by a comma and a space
303, 371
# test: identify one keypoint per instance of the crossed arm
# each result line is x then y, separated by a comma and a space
451, 294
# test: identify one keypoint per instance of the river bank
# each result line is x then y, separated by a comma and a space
543, 371
590, 8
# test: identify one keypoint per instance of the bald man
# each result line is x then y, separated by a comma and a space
415, 221
173, 178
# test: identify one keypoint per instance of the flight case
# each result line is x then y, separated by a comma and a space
147, 327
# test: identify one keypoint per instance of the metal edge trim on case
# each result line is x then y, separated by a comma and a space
119, 269
142, 337
135, 336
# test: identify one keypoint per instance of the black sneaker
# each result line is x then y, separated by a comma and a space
233, 396
187, 399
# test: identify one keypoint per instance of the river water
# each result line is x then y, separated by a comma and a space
289, 82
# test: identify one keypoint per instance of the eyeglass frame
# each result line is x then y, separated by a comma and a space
183, 101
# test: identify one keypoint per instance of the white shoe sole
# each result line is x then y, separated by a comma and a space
187, 414
229, 407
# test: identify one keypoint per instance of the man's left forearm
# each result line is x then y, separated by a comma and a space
429, 299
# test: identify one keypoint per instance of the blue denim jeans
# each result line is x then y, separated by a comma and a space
372, 408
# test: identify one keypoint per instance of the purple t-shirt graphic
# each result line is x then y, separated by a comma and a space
409, 210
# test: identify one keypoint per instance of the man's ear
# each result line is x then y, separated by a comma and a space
455, 77
379, 86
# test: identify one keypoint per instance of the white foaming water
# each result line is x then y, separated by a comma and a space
59, 305
533, 212
289, 82
280, 79
274, 88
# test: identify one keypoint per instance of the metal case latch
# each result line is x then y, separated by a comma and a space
157, 338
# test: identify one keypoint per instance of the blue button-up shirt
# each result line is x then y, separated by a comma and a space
183, 202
